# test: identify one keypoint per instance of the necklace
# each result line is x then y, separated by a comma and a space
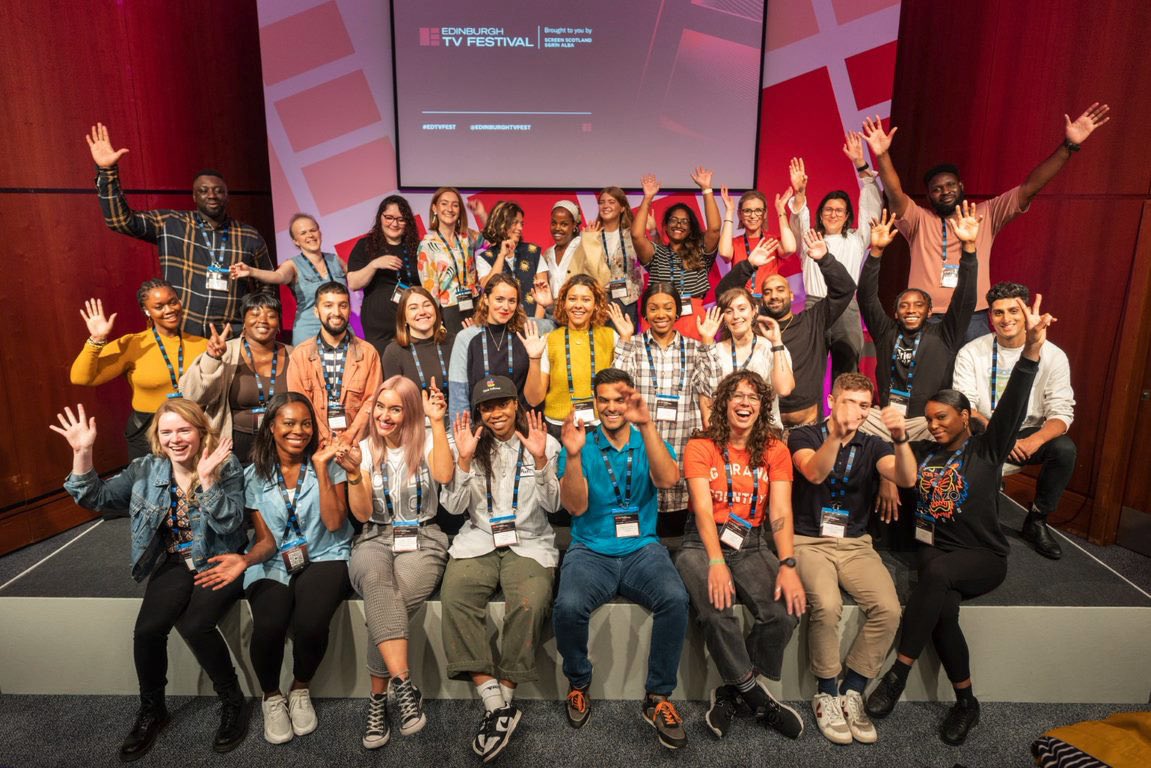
499, 344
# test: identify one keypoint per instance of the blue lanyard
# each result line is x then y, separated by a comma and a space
994, 371
316, 272
568, 355
388, 496
651, 362
443, 367
734, 365
624, 498
943, 251
218, 246
172, 372
910, 365
754, 508
747, 249
838, 483
484, 344
459, 267
515, 486
259, 381
174, 500
678, 274
334, 384
933, 485
293, 525
606, 255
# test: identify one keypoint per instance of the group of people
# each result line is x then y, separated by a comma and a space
515, 386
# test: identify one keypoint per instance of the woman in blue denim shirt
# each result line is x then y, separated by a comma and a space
296, 571
186, 503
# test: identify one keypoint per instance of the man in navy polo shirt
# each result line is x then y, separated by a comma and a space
609, 480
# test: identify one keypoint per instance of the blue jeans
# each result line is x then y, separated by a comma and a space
646, 577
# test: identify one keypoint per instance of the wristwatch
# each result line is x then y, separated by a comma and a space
788, 561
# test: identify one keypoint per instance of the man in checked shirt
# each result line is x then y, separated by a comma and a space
196, 247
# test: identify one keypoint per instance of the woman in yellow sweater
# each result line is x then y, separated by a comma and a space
152, 360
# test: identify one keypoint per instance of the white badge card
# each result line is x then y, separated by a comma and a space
584, 412
464, 300
618, 289
337, 420
924, 531
734, 532
295, 555
685, 307
949, 278
405, 536
833, 522
396, 294
185, 551
217, 279
504, 531
898, 399
666, 407
626, 522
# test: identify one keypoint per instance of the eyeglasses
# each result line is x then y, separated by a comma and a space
835, 211
745, 397
393, 220
679, 222
752, 213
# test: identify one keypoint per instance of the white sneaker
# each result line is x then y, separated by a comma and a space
829, 717
277, 724
862, 729
302, 713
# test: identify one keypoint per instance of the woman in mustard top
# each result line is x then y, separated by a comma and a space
152, 360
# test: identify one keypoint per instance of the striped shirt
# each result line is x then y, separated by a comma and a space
666, 267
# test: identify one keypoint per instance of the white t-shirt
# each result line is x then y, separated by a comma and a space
760, 362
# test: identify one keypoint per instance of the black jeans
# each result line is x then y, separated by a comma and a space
305, 606
1058, 459
946, 578
172, 600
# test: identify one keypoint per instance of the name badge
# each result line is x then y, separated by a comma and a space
464, 301
217, 279
618, 289
295, 555
405, 535
584, 412
924, 531
734, 532
396, 294
259, 414
337, 419
504, 531
949, 278
185, 551
626, 522
685, 307
833, 522
898, 399
666, 407
174, 395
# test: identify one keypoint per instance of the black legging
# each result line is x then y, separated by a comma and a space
306, 605
172, 600
945, 578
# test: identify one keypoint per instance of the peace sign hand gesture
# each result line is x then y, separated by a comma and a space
99, 326
1037, 323
435, 404
218, 342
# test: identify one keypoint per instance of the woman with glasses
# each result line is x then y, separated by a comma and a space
752, 210
383, 265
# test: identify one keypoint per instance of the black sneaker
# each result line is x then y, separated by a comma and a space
662, 715
1036, 531
885, 696
778, 715
233, 723
495, 731
410, 704
149, 722
959, 721
722, 710
377, 732
578, 707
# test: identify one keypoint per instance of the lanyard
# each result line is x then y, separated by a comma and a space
293, 525
515, 486
484, 344
316, 272
994, 371
678, 274
460, 270
218, 245
734, 365
910, 365
624, 498
933, 485
411, 275
568, 355
943, 251
443, 367
754, 508
259, 381
334, 383
838, 483
388, 496
622, 247
747, 243
173, 374
651, 362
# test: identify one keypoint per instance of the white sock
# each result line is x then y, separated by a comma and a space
509, 693
492, 697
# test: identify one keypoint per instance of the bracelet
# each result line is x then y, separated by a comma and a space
778, 348
1071, 146
862, 168
97, 344
728, 221
707, 191
906, 439
357, 480
716, 561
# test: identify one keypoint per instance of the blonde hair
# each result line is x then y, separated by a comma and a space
191, 412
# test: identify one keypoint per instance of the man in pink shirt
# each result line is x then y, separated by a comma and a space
935, 249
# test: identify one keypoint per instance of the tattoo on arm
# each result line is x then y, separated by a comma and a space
777, 524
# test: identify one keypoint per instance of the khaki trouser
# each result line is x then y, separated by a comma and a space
873, 425
825, 563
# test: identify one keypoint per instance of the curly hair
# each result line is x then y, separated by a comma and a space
500, 220
519, 320
598, 315
763, 431
692, 253
377, 240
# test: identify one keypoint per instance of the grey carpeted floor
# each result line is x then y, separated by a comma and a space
87, 730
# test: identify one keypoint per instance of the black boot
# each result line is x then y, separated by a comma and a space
233, 719
150, 720
1035, 530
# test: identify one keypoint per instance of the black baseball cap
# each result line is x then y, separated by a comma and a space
493, 388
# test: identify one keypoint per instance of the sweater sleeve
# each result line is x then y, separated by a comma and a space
878, 322
840, 287
958, 315
1004, 424
99, 365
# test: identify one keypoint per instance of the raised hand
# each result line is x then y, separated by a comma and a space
532, 341
771, 331
781, 201
635, 408
227, 569
623, 324
466, 440
535, 441
435, 404
476, 206
883, 230
763, 252
218, 342
327, 451
573, 434
798, 175
99, 326
349, 457
467, 322
853, 147
702, 177
211, 461
816, 247
650, 185
878, 140
239, 270
101, 147
1084, 125
728, 206
708, 324
508, 248
542, 290
894, 421
965, 223
1037, 322
78, 430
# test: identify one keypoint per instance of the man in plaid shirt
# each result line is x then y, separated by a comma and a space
196, 247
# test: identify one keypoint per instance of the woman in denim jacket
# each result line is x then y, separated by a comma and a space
186, 504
